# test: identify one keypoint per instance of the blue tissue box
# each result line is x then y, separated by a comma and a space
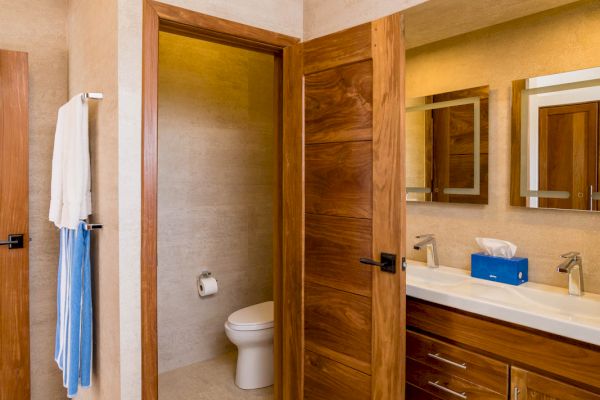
513, 271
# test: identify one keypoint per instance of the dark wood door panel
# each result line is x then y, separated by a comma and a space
338, 326
568, 153
330, 380
334, 246
339, 104
340, 48
14, 219
339, 179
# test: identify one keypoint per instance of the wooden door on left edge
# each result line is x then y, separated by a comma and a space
14, 206
345, 320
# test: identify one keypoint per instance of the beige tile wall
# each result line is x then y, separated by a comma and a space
215, 191
559, 40
92, 38
38, 28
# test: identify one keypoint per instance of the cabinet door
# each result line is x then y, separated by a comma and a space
526, 385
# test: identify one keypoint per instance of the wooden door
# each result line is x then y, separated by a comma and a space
453, 140
527, 385
14, 263
352, 315
568, 154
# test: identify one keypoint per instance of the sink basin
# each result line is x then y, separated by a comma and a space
537, 306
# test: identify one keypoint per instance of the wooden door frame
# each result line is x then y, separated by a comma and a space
287, 267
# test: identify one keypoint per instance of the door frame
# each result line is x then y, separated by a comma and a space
288, 209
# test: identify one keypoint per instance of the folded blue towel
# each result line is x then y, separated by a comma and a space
73, 344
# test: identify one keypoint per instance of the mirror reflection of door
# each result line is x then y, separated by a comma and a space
453, 140
568, 154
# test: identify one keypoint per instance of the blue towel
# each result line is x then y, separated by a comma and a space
73, 344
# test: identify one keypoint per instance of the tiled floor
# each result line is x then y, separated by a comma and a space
208, 380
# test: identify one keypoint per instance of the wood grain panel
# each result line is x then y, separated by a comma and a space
340, 48
338, 326
570, 359
334, 246
278, 227
327, 379
478, 369
339, 179
532, 386
389, 207
14, 219
338, 104
293, 225
421, 375
515, 145
149, 204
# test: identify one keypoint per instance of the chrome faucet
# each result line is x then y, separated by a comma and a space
430, 245
574, 267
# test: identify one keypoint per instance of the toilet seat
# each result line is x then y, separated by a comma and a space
253, 318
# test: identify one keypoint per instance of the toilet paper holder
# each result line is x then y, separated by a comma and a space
205, 274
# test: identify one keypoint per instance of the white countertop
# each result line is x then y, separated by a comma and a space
546, 308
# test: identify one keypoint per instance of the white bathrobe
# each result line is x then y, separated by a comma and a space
71, 199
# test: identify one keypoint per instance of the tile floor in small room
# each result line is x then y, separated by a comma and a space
207, 380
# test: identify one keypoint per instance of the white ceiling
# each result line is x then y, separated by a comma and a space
440, 19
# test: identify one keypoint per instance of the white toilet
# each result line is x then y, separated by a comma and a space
251, 330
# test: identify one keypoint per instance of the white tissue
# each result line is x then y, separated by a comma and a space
497, 247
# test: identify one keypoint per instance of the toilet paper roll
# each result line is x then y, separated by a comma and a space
207, 286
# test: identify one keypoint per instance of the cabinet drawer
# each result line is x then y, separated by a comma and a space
446, 386
415, 393
454, 361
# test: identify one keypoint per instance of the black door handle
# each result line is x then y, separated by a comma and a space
13, 242
387, 263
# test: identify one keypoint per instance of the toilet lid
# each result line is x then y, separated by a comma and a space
258, 316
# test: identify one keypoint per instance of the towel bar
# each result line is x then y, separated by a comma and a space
93, 227
92, 95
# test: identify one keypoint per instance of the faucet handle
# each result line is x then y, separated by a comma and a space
572, 255
425, 235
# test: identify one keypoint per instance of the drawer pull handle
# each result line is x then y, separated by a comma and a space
437, 385
437, 356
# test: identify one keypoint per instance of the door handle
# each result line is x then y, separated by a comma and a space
387, 263
436, 384
15, 241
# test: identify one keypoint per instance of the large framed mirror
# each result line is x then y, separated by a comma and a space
447, 147
555, 138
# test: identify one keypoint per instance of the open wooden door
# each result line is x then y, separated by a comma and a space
344, 321
14, 220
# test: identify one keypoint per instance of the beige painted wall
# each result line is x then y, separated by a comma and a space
38, 28
92, 38
215, 195
555, 41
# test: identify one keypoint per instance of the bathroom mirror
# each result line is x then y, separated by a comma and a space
555, 135
447, 147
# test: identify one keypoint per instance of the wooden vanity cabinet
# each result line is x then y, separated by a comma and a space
526, 385
454, 355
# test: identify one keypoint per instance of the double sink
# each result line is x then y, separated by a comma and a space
543, 307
